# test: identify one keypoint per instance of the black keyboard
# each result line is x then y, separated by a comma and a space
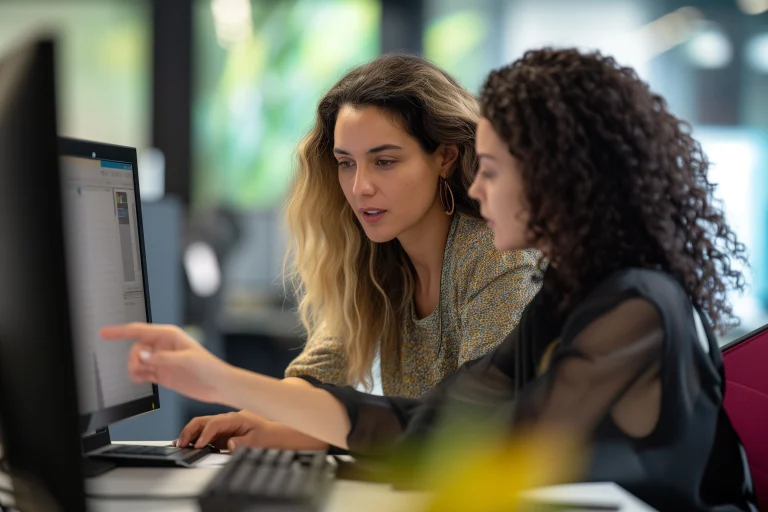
256, 479
139, 455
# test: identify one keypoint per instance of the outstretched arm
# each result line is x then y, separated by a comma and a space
167, 356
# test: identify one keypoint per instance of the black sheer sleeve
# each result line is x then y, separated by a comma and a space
629, 343
605, 365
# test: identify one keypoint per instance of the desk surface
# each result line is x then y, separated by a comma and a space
167, 483
175, 490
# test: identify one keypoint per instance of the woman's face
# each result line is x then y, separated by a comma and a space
498, 188
388, 180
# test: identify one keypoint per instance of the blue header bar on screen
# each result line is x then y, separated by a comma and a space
117, 165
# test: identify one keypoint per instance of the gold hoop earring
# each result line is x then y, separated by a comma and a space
446, 196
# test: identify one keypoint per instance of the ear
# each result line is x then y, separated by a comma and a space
448, 154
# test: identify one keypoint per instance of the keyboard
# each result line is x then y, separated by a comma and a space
139, 455
256, 479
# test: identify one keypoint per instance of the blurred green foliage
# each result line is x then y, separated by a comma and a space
456, 41
255, 100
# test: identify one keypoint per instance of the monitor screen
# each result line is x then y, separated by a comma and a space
107, 284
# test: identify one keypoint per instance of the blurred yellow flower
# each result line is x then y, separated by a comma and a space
490, 475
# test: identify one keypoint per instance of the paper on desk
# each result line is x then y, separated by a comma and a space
585, 494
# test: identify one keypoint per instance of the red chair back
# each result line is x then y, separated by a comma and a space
746, 401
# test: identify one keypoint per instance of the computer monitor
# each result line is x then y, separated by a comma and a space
108, 285
38, 393
104, 238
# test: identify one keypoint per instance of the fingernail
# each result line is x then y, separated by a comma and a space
144, 355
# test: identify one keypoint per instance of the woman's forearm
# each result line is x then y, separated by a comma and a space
311, 411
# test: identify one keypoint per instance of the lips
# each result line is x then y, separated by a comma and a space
372, 215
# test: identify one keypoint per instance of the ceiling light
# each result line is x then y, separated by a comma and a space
232, 20
752, 6
756, 53
710, 47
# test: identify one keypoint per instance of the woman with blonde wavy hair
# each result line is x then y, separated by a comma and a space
389, 253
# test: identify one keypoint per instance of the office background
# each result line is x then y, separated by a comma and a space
216, 94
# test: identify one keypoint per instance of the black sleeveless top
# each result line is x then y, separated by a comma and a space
631, 368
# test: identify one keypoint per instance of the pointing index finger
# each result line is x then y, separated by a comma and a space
136, 331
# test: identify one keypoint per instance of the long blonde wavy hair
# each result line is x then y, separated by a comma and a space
349, 287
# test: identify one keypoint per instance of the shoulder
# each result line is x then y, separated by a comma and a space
633, 291
644, 281
472, 238
471, 232
474, 250
655, 286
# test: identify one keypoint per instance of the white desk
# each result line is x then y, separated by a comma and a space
346, 496
175, 490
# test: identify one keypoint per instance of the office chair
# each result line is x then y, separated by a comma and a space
746, 401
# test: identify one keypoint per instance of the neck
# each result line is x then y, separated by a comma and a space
425, 246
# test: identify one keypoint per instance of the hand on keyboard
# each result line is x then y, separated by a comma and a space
235, 429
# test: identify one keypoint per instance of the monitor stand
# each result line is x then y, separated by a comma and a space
93, 467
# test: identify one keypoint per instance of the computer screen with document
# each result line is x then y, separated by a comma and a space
108, 275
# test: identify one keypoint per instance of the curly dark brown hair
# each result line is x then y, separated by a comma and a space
611, 177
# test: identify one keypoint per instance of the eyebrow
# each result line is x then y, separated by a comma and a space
377, 149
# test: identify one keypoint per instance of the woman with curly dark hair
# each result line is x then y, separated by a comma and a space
581, 161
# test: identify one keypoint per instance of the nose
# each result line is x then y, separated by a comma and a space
363, 185
474, 191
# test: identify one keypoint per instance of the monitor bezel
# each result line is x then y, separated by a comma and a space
96, 420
